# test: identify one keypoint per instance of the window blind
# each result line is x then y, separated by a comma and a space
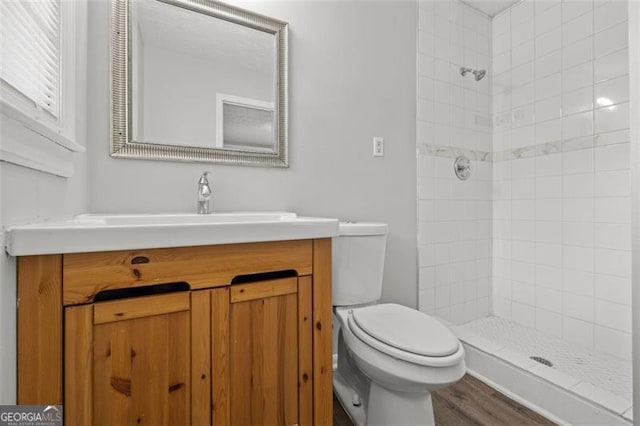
30, 51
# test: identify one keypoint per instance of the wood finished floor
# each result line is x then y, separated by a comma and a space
468, 402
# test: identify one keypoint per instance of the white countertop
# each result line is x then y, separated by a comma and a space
91, 232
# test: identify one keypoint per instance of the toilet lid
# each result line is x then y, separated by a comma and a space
406, 329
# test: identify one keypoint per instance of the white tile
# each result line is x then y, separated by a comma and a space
613, 65
578, 282
612, 157
577, 29
523, 168
442, 48
612, 138
523, 32
628, 414
549, 299
576, 162
549, 254
578, 258
549, 322
521, 13
613, 289
613, 262
601, 396
426, 300
501, 23
574, 8
612, 91
577, 101
522, 136
548, 209
548, 187
523, 115
577, 306
577, 53
548, 86
523, 314
611, 40
522, 95
577, 125
613, 209
613, 315
609, 14
523, 230
578, 234
548, 42
525, 74
425, 65
425, 43
549, 232
577, 77
578, 186
548, 20
550, 277
548, 109
502, 62
427, 278
612, 184
441, 297
523, 293
523, 210
577, 331
613, 342
523, 189
548, 165
577, 209
522, 54
548, 64
548, 131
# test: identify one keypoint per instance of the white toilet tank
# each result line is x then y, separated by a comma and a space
358, 262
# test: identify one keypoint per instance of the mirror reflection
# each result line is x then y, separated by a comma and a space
200, 81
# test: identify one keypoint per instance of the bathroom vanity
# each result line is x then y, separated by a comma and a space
235, 331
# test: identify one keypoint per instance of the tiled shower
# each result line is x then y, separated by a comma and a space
539, 238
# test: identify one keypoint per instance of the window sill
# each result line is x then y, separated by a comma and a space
28, 147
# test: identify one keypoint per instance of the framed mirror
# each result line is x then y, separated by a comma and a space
198, 80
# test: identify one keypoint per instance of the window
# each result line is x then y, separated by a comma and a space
38, 67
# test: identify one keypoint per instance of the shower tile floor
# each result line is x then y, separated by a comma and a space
600, 378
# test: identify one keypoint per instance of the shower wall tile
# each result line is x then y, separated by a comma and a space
561, 248
453, 117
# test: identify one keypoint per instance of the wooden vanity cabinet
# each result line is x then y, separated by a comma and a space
252, 353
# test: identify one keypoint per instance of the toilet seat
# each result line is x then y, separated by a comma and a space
405, 334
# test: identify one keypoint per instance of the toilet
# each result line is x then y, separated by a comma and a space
390, 357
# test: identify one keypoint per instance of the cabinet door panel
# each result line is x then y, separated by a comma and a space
266, 377
142, 371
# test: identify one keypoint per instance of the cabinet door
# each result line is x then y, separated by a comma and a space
262, 360
129, 361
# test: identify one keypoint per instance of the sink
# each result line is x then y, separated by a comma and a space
183, 218
97, 232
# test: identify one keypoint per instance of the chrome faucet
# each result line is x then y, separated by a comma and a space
204, 193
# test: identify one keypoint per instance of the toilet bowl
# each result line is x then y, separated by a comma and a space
390, 357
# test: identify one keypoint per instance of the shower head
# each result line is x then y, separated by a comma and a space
479, 74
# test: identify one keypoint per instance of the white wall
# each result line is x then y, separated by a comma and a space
352, 77
453, 118
28, 196
562, 248
634, 78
